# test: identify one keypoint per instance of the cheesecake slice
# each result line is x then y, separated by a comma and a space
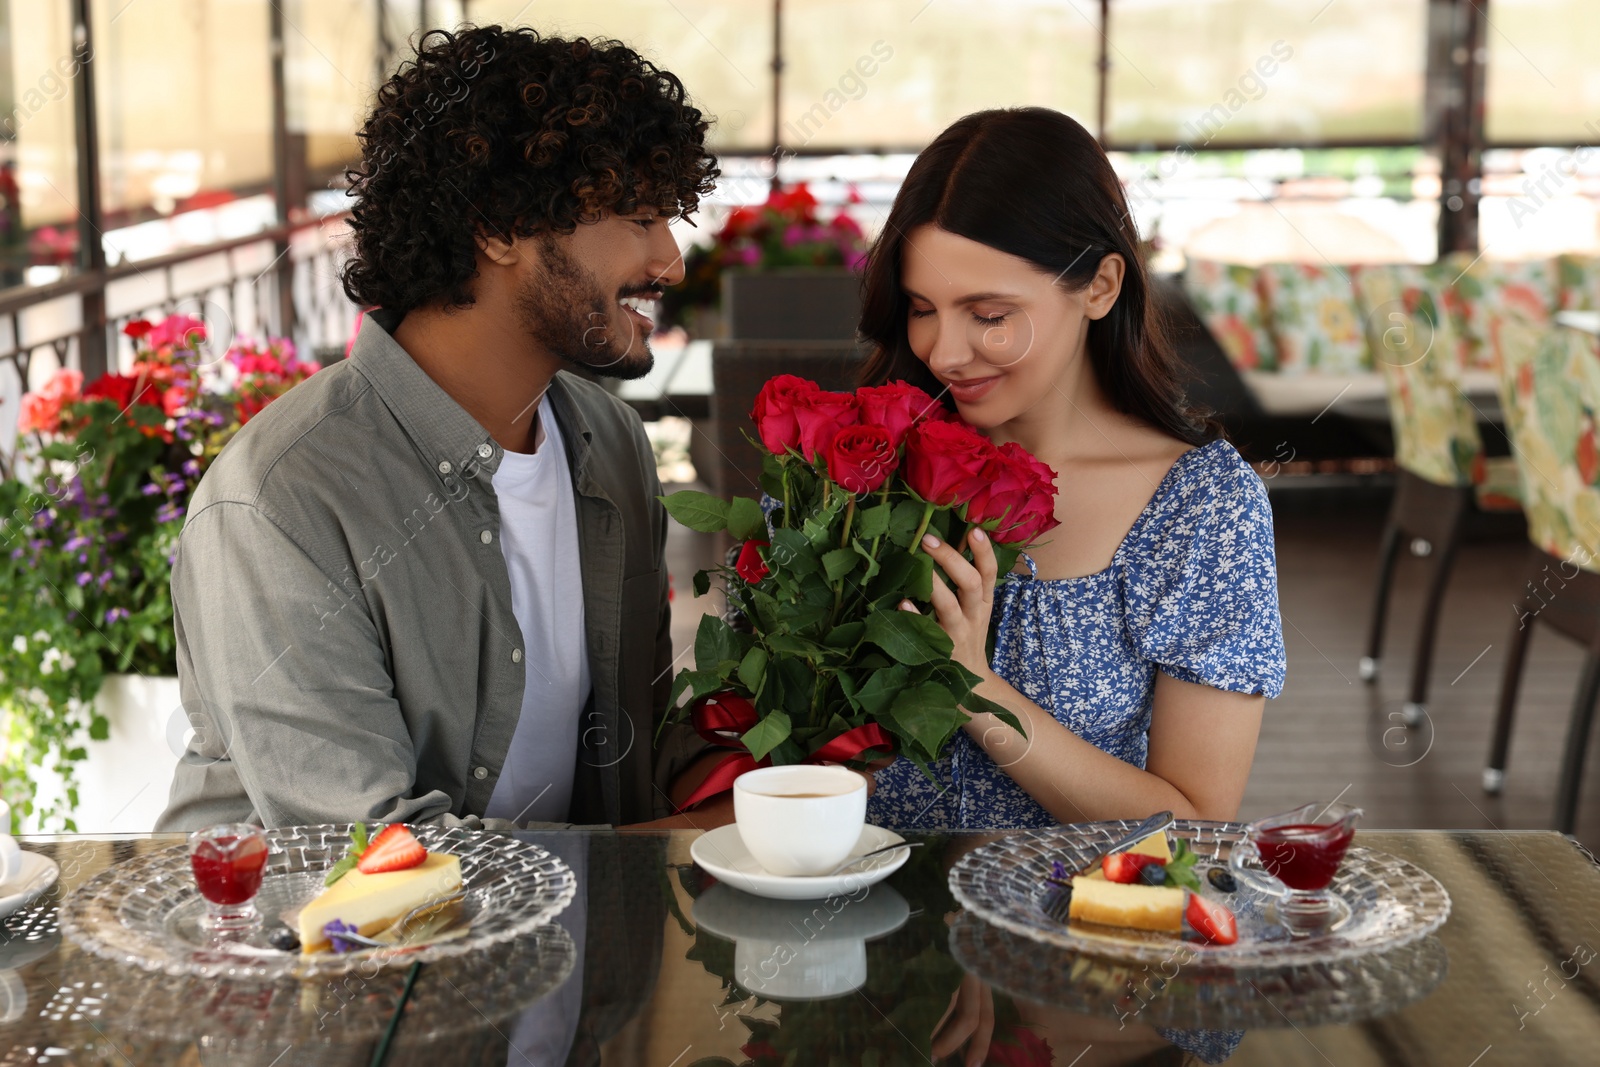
374, 902
1137, 906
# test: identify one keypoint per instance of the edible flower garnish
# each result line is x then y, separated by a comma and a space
1059, 873
332, 930
358, 845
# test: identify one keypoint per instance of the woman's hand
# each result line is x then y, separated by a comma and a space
963, 614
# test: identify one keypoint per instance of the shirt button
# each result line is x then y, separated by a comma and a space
444, 466
480, 773
485, 450
486, 537
516, 655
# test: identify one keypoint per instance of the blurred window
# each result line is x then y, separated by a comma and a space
1543, 81
1218, 72
183, 92
38, 145
885, 74
722, 52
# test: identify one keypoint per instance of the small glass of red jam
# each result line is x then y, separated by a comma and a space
228, 862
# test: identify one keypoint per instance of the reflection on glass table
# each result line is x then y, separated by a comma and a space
655, 964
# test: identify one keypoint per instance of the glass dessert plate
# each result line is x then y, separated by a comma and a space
1392, 902
143, 911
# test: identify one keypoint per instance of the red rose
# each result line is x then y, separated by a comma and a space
751, 567
137, 328
861, 458
117, 388
946, 461
773, 413
895, 407
820, 415
1036, 517
1027, 507
1012, 477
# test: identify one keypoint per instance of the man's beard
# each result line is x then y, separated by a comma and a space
565, 309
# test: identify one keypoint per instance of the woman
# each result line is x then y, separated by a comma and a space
1139, 644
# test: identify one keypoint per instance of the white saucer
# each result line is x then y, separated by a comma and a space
722, 854
38, 874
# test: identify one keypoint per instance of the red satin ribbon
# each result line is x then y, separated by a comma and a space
722, 719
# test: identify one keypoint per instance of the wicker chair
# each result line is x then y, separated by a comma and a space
738, 371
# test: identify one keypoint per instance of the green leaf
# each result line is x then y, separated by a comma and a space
791, 553
865, 553
716, 644
697, 683
977, 705
818, 529
752, 668
908, 637
340, 869
839, 562
873, 522
702, 583
903, 522
99, 728
846, 635
746, 520
698, 511
358, 837
928, 715
880, 690
792, 645
767, 734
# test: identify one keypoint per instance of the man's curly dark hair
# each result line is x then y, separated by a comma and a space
502, 131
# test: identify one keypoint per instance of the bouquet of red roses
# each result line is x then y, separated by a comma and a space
834, 670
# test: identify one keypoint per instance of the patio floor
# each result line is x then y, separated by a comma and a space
1331, 735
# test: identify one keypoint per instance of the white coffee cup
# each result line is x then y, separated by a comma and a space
10, 853
802, 819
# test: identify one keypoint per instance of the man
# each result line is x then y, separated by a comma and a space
428, 583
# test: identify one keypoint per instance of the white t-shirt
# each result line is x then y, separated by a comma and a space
539, 538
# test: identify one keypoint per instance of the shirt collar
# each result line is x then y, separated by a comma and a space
442, 428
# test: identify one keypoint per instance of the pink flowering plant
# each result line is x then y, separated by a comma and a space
90, 512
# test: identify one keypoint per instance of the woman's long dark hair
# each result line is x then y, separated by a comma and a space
1031, 182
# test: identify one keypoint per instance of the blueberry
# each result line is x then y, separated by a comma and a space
1153, 874
1219, 877
284, 940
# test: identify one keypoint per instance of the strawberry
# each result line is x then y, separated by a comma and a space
1211, 920
392, 850
1125, 866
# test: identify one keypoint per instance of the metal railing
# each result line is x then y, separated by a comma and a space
245, 285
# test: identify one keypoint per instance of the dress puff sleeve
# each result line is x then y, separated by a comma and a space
1200, 580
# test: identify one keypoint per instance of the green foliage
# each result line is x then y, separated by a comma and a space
89, 522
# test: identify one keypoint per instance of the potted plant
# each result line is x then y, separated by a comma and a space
89, 522
776, 270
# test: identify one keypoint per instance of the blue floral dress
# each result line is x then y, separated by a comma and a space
1192, 591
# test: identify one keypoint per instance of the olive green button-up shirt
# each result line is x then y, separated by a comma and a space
346, 645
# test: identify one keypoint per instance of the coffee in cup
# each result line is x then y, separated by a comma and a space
800, 820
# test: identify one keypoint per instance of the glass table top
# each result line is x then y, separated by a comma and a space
655, 964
